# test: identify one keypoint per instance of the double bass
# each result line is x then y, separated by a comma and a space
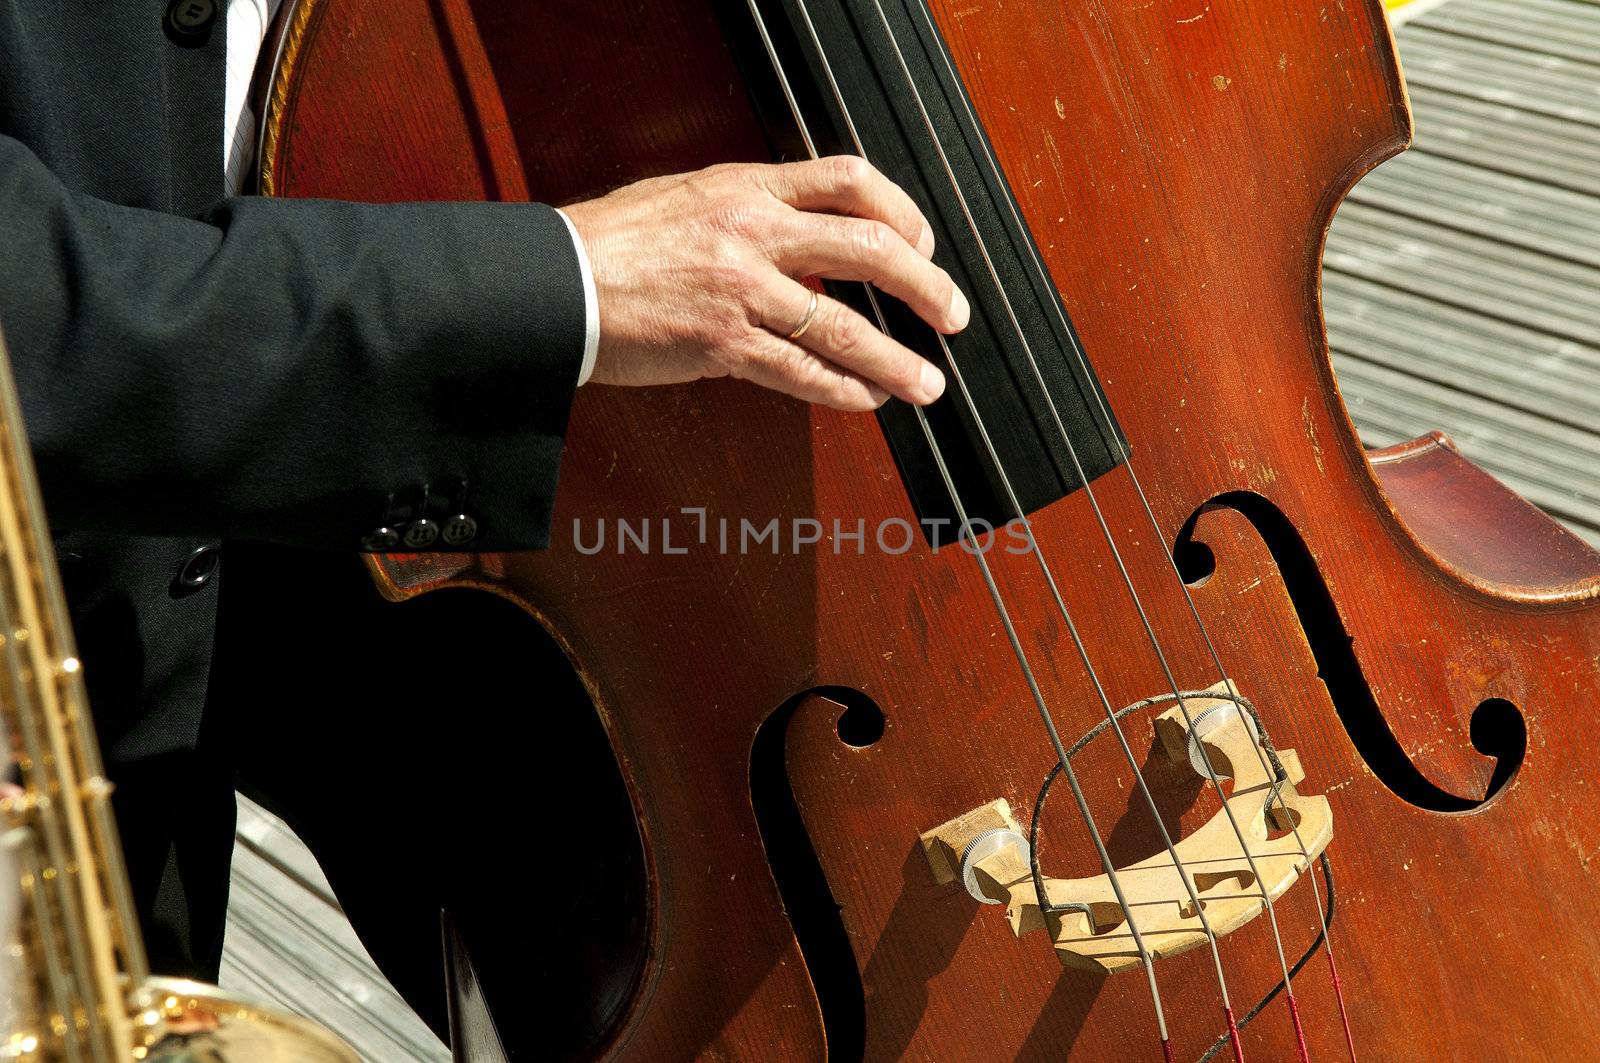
1119, 706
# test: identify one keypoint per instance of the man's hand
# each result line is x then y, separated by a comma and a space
698, 275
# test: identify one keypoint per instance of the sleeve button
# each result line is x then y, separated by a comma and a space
421, 534
459, 530
188, 22
197, 570
378, 540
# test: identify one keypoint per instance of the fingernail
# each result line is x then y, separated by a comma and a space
931, 382
925, 241
960, 310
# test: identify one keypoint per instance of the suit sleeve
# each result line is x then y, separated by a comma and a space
277, 369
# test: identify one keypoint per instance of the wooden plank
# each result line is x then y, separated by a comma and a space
271, 839
1551, 465
1520, 368
1503, 137
1453, 268
1548, 27
288, 946
1496, 206
1498, 73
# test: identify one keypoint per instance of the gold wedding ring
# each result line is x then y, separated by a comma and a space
805, 322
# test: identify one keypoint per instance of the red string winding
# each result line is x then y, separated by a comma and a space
1344, 1016
1299, 1031
1233, 1035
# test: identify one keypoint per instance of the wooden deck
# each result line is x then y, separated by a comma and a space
1462, 280
1462, 292
289, 943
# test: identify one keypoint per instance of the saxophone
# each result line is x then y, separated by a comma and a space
74, 982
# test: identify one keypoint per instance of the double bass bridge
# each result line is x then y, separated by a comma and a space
1283, 832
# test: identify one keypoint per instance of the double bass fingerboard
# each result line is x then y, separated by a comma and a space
876, 72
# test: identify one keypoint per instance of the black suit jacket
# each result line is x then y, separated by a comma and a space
193, 369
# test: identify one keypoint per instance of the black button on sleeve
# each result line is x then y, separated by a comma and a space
380, 539
420, 534
459, 530
189, 22
197, 570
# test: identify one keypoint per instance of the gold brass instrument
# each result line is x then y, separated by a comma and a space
74, 984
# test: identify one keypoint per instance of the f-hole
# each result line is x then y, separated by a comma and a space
1498, 729
809, 903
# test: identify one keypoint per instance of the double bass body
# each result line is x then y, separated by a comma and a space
1422, 638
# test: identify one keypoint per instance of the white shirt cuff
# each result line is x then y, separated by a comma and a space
591, 304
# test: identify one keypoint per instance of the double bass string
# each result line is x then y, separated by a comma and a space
1127, 579
1110, 539
994, 589
1094, 503
1149, 512
1038, 551
988, 576
1082, 359
1048, 574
